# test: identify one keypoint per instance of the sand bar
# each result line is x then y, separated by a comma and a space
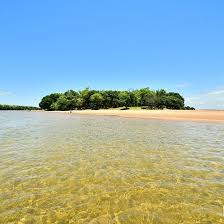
181, 115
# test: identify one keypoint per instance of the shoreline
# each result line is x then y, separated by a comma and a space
172, 115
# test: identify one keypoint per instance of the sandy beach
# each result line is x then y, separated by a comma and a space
178, 115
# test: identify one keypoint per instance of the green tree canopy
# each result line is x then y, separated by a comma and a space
97, 99
16, 107
124, 98
48, 100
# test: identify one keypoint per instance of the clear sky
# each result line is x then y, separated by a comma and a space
50, 46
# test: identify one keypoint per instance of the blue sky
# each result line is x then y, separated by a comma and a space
51, 46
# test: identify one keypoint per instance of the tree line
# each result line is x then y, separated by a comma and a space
105, 99
15, 107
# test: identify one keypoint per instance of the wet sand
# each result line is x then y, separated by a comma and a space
181, 115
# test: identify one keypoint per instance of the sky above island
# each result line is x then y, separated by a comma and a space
51, 46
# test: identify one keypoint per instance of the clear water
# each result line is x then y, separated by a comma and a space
60, 168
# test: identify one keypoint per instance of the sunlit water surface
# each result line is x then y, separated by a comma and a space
58, 168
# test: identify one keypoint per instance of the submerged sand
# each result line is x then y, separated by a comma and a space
197, 115
60, 168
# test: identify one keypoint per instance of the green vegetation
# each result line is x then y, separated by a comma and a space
105, 99
15, 107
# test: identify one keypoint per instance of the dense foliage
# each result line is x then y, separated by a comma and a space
15, 107
104, 99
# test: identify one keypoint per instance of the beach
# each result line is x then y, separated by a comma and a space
177, 115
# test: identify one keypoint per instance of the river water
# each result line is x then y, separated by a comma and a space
62, 168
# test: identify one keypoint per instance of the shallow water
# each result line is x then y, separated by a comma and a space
60, 168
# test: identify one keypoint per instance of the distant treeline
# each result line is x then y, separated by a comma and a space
15, 107
105, 99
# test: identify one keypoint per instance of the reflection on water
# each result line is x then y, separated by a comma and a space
57, 168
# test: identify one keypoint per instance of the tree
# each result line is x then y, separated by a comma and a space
71, 94
124, 99
54, 106
72, 98
145, 96
137, 94
16, 107
80, 103
85, 94
161, 93
48, 100
133, 99
111, 98
62, 103
177, 100
96, 101
173, 102
160, 102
